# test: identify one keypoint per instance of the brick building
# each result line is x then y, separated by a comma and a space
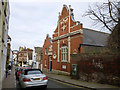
25, 56
70, 38
37, 57
66, 39
46, 55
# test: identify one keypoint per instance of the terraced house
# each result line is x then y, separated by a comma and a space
47, 55
4, 27
25, 56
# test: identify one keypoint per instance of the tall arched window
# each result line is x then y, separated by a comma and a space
64, 53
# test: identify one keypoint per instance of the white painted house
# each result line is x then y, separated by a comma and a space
4, 26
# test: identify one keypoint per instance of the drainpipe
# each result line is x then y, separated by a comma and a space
79, 48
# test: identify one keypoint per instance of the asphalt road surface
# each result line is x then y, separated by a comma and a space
53, 84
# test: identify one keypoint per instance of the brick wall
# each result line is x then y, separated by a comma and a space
93, 49
46, 45
101, 68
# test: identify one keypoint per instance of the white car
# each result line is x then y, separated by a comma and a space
33, 78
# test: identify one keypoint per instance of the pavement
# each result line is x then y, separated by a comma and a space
9, 82
87, 85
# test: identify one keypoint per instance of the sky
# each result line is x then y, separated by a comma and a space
31, 20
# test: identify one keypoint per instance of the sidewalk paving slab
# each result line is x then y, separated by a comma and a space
9, 82
89, 85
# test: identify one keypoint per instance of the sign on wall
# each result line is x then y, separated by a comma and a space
74, 69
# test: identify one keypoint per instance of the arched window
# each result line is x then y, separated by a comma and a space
64, 53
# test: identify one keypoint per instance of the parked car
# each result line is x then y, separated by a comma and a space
33, 78
20, 71
16, 71
25, 65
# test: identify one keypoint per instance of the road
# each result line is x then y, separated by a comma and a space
53, 84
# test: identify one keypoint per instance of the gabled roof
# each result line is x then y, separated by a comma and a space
64, 5
48, 38
66, 15
93, 37
71, 14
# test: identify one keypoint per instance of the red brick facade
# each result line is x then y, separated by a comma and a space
47, 44
25, 55
22, 56
68, 34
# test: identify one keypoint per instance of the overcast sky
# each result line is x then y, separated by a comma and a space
31, 21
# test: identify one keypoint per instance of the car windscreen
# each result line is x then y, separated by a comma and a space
33, 72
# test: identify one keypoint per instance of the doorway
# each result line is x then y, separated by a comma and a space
50, 63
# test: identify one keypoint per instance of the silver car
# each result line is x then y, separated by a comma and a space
33, 78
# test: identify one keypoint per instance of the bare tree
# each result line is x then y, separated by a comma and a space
108, 16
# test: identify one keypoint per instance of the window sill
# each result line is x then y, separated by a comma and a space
64, 61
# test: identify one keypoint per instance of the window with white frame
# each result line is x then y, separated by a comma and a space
45, 62
45, 51
64, 53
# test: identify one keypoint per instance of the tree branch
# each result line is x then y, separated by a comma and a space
110, 9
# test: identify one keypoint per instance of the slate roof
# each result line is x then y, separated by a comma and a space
92, 37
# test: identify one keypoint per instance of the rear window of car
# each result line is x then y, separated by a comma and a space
32, 72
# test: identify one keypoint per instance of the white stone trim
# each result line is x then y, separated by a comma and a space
73, 26
68, 34
69, 49
58, 50
63, 18
64, 61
